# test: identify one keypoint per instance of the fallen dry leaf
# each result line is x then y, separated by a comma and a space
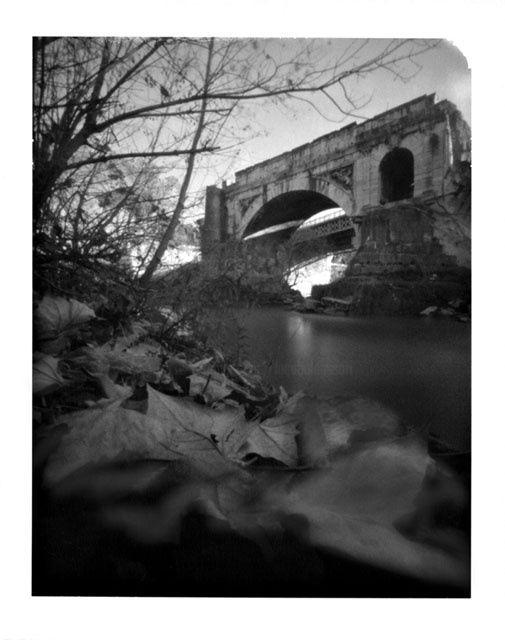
111, 390
208, 388
46, 377
349, 420
225, 429
274, 438
55, 315
108, 433
352, 508
143, 358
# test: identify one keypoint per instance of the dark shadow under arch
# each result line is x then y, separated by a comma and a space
293, 205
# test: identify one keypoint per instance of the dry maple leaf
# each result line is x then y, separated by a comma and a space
46, 376
56, 315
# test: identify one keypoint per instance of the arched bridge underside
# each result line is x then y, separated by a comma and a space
301, 248
376, 172
287, 221
288, 207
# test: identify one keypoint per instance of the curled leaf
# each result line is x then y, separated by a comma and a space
143, 358
246, 380
178, 368
111, 390
105, 434
205, 386
46, 376
201, 364
55, 315
349, 420
274, 438
353, 506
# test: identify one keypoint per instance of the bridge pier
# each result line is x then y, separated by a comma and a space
214, 229
405, 237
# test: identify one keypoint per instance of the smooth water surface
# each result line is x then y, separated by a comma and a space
418, 366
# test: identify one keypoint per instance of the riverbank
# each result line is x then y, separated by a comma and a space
446, 293
399, 295
456, 308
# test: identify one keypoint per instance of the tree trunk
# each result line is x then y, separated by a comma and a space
179, 208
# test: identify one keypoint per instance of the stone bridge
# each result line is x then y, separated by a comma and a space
386, 174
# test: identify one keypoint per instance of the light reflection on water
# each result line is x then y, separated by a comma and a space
419, 367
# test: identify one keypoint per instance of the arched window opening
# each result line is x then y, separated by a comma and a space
397, 175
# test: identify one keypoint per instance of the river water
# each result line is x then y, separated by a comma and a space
420, 367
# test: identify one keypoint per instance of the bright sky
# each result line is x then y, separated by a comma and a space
277, 129
444, 71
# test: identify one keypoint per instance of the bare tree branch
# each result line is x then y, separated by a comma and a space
142, 154
172, 225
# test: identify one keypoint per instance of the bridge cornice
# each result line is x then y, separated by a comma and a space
351, 140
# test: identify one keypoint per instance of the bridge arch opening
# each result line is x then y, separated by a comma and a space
321, 270
288, 211
305, 231
397, 175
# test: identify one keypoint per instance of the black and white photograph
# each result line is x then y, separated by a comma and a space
251, 319
252, 359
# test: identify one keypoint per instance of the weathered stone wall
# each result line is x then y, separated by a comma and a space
399, 238
344, 167
215, 219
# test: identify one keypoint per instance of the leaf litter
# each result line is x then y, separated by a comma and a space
347, 466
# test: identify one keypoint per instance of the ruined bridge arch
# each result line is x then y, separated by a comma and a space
378, 172
295, 199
